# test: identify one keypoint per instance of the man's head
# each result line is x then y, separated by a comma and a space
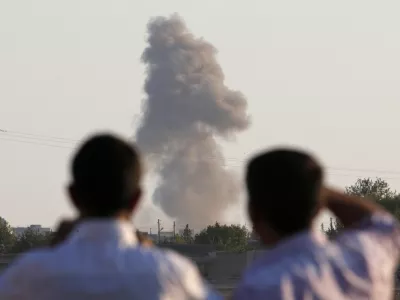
284, 193
106, 177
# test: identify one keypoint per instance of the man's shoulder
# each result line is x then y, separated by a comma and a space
31, 258
174, 269
26, 267
268, 277
168, 258
176, 258
258, 283
378, 233
189, 277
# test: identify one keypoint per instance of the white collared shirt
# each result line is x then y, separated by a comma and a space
103, 260
359, 264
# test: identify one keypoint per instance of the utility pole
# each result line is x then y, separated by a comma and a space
159, 231
174, 232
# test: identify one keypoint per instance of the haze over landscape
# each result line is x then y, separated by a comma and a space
320, 75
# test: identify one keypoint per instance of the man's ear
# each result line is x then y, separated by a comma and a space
252, 212
73, 197
135, 199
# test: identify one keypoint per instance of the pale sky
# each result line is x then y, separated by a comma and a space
322, 75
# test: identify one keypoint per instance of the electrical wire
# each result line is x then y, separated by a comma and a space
70, 144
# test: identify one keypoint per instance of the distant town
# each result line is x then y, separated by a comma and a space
163, 236
18, 231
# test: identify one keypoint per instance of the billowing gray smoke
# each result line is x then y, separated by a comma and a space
186, 108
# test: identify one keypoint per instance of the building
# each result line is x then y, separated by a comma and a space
37, 228
165, 237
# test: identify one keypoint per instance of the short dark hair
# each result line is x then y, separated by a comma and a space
106, 174
283, 187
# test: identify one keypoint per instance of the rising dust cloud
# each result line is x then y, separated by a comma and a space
187, 106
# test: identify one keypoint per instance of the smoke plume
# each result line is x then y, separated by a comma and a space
186, 108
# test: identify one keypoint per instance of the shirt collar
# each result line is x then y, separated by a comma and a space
121, 232
301, 240
307, 240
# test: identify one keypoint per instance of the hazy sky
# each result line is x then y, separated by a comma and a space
323, 75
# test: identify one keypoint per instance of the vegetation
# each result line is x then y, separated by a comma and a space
373, 189
29, 239
186, 237
233, 238
224, 237
7, 238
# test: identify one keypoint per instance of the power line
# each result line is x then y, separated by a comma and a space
361, 176
366, 170
37, 136
68, 143
35, 139
34, 143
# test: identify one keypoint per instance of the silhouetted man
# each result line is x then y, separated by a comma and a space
102, 257
285, 194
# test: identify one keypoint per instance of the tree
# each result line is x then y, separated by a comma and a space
31, 239
187, 235
7, 237
224, 237
179, 239
376, 190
